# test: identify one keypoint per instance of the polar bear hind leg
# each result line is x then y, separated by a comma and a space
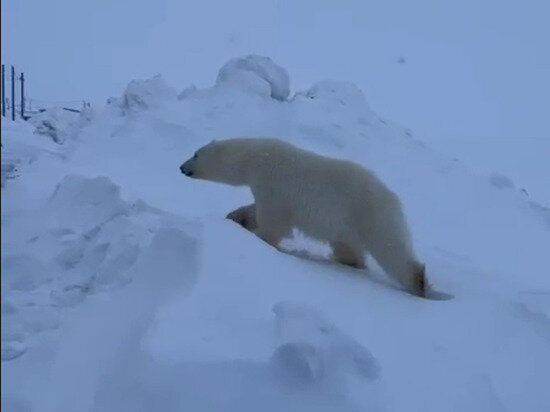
398, 262
348, 255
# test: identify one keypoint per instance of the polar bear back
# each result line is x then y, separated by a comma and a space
328, 198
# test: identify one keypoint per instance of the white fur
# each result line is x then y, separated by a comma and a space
328, 199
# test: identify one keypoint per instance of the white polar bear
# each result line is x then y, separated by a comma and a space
328, 199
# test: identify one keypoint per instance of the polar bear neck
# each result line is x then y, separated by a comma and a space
247, 161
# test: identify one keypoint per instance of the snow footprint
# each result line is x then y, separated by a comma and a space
313, 350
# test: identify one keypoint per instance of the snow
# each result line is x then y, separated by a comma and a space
144, 94
20, 147
59, 124
253, 72
83, 239
124, 287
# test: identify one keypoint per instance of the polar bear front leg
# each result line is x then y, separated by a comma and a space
347, 255
245, 216
273, 225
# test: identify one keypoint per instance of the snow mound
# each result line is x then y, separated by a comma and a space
84, 239
60, 124
153, 93
313, 349
258, 74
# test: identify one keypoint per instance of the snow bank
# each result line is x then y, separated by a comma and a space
116, 324
84, 239
21, 148
258, 74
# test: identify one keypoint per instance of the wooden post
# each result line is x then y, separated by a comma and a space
3, 90
12, 93
22, 78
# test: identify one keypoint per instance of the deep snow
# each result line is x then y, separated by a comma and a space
124, 288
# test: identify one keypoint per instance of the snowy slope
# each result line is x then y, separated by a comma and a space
124, 288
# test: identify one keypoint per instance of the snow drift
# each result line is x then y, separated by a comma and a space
256, 73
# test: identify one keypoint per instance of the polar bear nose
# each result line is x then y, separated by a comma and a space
186, 171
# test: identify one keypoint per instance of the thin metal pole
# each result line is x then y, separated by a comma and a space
22, 78
12, 93
3, 90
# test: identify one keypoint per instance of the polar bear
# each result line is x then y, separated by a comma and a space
332, 200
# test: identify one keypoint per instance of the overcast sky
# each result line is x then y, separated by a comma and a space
476, 70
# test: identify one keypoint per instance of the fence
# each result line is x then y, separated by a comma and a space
21, 79
28, 107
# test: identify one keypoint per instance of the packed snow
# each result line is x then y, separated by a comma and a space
257, 73
124, 288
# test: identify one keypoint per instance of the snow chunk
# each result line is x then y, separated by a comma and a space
312, 349
58, 124
257, 73
83, 202
145, 94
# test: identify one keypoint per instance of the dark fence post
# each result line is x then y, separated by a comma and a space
22, 78
12, 93
3, 91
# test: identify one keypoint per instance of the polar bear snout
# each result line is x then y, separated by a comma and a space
186, 169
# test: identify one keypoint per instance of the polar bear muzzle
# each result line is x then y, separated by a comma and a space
186, 169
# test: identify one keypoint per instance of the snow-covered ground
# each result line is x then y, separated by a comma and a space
124, 288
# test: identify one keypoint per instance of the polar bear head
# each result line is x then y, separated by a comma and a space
219, 161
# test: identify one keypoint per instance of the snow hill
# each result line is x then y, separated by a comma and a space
125, 289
